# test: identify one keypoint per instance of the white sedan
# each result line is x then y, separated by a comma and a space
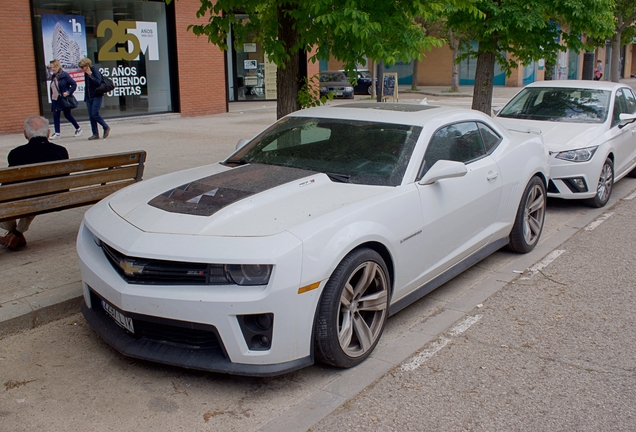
301, 244
589, 128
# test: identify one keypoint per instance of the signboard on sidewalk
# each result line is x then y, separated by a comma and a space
390, 86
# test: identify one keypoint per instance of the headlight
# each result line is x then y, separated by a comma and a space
253, 274
348, 89
579, 155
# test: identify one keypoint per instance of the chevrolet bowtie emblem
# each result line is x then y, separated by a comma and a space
130, 268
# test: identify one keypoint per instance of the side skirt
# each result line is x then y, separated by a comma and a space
447, 275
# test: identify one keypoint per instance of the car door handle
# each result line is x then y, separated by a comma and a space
492, 176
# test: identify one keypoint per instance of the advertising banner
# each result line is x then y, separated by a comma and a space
64, 39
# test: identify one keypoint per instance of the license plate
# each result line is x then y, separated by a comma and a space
338, 93
119, 318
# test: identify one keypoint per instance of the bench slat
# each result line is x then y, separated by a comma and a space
41, 187
60, 201
69, 166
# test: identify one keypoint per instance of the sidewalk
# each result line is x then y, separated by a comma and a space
42, 282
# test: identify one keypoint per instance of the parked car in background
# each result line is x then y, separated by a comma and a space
336, 83
589, 128
364, 82
300, 245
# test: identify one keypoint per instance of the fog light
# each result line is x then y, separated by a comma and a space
257, 330
576, 184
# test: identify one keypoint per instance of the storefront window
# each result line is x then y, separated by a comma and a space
126, 39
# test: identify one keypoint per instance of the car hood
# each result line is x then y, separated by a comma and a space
247, 201
559, 136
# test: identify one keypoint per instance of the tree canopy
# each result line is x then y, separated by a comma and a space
525, 30
346, 30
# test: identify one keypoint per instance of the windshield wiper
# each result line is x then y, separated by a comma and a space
340, 178
237, 161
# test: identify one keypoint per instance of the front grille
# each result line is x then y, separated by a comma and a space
152, 271
167, 331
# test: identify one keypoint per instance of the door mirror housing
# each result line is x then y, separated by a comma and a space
626, 119
443, 169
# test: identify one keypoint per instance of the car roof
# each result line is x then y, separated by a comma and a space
407, 114
583, 84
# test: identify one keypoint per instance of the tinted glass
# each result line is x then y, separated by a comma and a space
631, 101
620, 107
490, 137
459, 142
357, 151
559, 104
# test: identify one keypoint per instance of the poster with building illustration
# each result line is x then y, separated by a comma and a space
64, 39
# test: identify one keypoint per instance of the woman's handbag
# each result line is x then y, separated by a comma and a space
106, 86
66, 102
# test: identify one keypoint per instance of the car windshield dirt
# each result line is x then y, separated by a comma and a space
572, 105
350, 151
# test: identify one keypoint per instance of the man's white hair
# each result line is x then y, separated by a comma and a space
36, 126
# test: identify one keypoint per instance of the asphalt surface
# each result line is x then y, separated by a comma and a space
551, 350
554, 350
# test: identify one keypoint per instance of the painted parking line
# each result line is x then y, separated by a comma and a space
543, 263
598, 221
440, 343
630, 196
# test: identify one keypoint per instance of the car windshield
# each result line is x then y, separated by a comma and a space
336, 77
351, 151
572, 105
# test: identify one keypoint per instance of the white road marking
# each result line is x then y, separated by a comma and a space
630, 196
598, 221
456, 330
543, 263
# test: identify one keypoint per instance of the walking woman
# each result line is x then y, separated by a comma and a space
62, 85
93, 101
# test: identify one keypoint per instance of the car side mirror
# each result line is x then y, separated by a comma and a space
241, 143
495, 111
443, 169
626, 119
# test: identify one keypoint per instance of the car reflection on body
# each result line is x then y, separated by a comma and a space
301, 244
589, 129
335, 83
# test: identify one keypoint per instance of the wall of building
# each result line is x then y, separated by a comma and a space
435, 68
18, 80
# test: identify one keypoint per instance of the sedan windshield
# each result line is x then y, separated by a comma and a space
559, 104
349, 151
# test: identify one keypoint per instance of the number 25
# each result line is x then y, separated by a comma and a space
118, 35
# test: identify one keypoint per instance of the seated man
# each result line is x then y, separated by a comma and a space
38, 149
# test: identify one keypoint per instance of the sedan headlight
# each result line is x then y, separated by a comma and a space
579, 155
252, 274
349, 89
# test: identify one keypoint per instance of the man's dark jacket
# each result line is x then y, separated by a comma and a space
37, 150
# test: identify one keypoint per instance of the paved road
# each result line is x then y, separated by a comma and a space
61, 376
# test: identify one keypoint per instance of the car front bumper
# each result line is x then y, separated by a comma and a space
566, 177
199, 326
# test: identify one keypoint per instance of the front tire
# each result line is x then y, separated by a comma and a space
605, 185
353, 310
530, 218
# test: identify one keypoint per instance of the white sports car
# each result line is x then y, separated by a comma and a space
589, 128
302, 243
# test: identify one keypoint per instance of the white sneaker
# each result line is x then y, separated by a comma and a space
78, 132
54, 136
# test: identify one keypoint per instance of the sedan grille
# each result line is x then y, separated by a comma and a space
152, 271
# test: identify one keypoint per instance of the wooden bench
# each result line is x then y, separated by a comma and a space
29, 190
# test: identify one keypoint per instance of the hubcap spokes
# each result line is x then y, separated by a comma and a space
363, 307
534, 215
605, 183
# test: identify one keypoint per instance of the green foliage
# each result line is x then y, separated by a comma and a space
532, 29
309, 94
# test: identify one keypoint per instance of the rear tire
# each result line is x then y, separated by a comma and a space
530, 218
604, 187
353, 309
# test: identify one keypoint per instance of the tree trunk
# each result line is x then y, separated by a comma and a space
615, 69
455, 67
414, 78
287, 75
482, 92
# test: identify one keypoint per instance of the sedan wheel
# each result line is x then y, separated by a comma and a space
530, 218
353, 309
605, 185
369, 89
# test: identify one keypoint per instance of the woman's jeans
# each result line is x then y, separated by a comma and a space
93, 105
67, 114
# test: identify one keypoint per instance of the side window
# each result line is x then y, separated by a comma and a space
459, 142
620, 106
631, 101
490, 137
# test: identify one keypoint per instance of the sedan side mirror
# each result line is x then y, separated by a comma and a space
241, 143
443, 169
626, 119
